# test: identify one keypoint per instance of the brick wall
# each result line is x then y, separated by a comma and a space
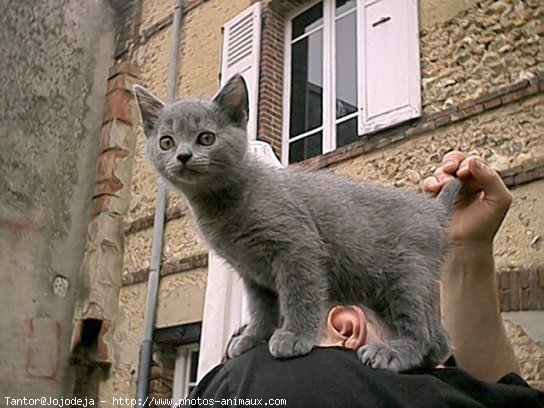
96, 310
522, 289
117, 123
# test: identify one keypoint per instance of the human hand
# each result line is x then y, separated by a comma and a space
483, 201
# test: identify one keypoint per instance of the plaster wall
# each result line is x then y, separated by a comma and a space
53, 71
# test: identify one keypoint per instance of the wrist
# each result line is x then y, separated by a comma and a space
471, 249
469, 261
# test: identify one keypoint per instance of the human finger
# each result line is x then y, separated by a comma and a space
464, 167
451, 161
491, 182
432, 185
442, 176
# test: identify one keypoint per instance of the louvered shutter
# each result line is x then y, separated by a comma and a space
389, 63
241, 53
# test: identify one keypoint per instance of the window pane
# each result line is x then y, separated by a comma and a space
305, 148
307, 21
346, 66
346, 132
344, 5
306, 84
194, 366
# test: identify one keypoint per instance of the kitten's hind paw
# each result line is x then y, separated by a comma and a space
285, 344
385, 357
242, 341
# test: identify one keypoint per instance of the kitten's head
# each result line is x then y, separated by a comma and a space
196, 143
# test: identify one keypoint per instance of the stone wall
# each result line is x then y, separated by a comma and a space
529, 353
510, 138
489, 45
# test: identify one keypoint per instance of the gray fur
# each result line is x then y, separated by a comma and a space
301, 240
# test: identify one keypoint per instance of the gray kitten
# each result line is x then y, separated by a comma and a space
301, 240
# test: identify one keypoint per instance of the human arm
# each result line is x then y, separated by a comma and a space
470, 304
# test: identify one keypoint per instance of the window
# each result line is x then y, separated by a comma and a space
185, 375
337, 54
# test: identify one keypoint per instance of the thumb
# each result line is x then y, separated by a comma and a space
495, 191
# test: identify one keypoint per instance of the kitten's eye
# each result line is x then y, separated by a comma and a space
206, 138
166, 142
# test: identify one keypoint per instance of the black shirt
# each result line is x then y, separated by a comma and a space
334, 377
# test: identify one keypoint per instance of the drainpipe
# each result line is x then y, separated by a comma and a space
146, 349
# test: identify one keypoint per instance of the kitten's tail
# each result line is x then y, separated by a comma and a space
449, 194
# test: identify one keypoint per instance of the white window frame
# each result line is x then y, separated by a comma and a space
329, 123
182, 372
393, 118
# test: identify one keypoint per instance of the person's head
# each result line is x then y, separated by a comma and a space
351, 326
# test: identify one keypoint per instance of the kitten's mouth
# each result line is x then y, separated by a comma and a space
185, 174
183, 171
189, 170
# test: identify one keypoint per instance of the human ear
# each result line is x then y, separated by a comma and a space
348, 324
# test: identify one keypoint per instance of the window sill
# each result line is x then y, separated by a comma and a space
467, 109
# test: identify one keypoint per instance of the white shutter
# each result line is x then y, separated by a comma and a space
224, 312
241, 53
389, 63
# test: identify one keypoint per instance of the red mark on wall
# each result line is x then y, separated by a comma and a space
42, 356
19, 225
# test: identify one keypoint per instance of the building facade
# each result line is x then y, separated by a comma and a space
376, 90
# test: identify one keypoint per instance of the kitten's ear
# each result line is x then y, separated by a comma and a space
232, 99
150, 107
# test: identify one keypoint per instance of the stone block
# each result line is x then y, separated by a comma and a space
107, 187
118, 106
493, 103
100, 205
514, 291
505, 301
105, 136
117, 135
107, 163
123, 68
116, 83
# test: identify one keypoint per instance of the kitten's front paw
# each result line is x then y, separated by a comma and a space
285, 344
241, 342
381, 355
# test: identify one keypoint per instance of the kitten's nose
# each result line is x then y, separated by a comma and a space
184, 157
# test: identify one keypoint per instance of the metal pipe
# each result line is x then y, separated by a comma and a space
146, 349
